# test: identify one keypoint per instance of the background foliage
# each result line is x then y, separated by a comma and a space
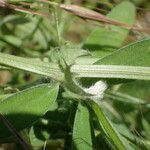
48, 57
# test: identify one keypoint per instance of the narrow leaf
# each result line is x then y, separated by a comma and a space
125, 98
82, 130
111, 133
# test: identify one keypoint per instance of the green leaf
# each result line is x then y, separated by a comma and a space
24, 108
15, 1
12, 40
103, 41
32, 65
2, 96
35, 140
135, 54
15, 19
82, 130
139, 89
110, 132
68, 53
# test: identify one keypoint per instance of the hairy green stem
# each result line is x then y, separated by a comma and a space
88, 71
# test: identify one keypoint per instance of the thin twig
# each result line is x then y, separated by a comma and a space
15, 133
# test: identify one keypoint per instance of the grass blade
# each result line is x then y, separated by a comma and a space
117, 96
111, 133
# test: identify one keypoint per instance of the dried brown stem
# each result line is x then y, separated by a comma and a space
92, 15
78, 11
21, 9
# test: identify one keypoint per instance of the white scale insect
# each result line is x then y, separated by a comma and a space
97, 90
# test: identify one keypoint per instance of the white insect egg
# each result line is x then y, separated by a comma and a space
97, 90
